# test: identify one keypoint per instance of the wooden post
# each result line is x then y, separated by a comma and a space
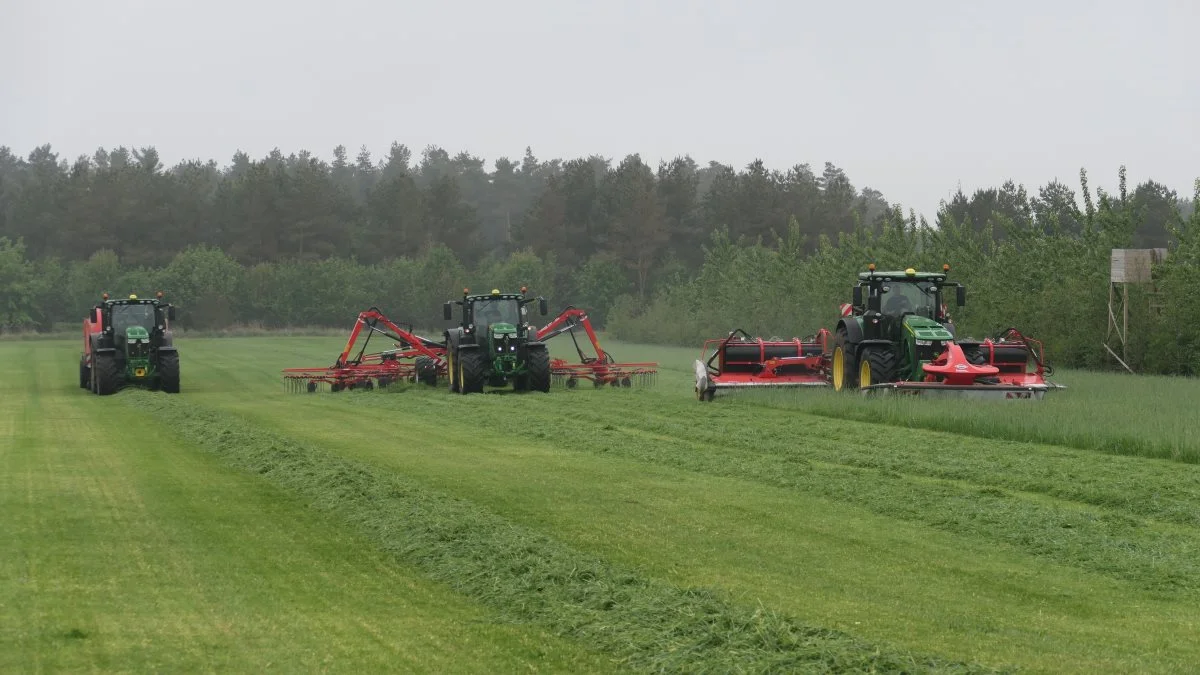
1125, 323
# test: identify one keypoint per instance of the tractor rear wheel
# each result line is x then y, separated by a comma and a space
452, 369
539, 369
168, 372
105, 374
470, 372
842, 367
878, 366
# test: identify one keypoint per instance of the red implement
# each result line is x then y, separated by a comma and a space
601, 369
740, 360
415, 359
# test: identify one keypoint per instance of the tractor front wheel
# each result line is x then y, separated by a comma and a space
168, 372
471, 375
539, 370
842, 366
878, 366
106, 375
85, 373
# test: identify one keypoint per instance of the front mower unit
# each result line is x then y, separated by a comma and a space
739, 361
601, 369
899, 339
414, 359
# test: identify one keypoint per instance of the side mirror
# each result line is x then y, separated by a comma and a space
962, 296
170, 312
447, 312
857, 302
542, 306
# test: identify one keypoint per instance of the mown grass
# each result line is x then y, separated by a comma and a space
645, 624
1049, 557
1115, 413
124, 548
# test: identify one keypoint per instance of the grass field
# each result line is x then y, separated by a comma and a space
239, 527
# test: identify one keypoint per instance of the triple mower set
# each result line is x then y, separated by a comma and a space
896, 336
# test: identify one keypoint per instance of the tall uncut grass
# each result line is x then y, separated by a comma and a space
1143, 415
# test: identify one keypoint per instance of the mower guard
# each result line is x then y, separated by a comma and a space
981, 391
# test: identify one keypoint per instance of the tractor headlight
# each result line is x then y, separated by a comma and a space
512, 348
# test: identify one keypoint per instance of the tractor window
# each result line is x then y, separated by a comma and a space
496, 310
124, 316
919, 298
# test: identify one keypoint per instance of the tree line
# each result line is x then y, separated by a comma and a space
669, 254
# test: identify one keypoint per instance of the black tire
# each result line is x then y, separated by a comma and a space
843, 367
107, 374
426, 371
470, 372
168, 372
879, 366
539, 369
452, 369
85, 373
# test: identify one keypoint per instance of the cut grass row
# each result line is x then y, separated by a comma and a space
126, 549
726, 496
645, 624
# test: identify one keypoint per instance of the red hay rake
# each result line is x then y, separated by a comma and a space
415, 359
601, 369
739, 361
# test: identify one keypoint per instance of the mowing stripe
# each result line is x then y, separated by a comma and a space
1156, 556
644, 624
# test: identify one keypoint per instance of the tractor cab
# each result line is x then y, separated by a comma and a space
904, 301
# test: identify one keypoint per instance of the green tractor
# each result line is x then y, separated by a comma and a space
896, 331
129, 341
901, 339
494, 345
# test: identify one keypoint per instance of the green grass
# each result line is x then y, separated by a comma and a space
126, 548
763, 528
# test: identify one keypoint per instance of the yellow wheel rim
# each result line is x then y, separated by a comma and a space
864, 374
839, 369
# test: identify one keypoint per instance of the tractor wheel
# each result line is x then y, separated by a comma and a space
106, 375
539, 370
452, 370
168, 372
878, 366
426, 371
842, 367
471, 375
85, 373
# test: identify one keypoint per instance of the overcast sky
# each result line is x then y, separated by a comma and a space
910, 98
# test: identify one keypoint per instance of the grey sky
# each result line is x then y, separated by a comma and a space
907, 97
